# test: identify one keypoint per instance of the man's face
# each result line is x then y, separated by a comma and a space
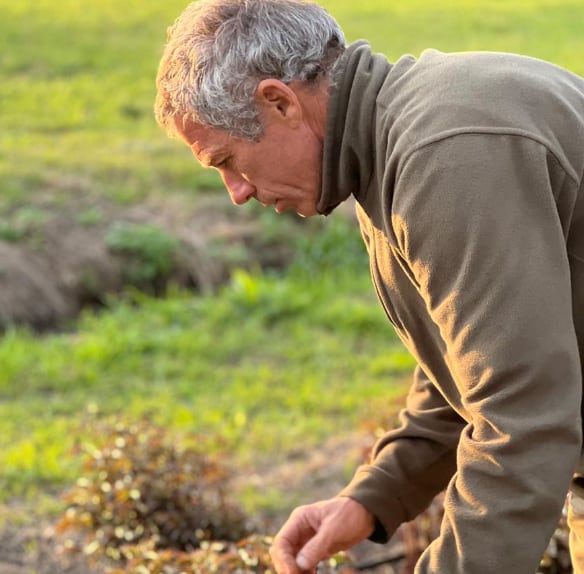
282, 170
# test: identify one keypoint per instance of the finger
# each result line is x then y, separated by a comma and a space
283, 556
284, 564
304, 567
302, 525
292, 536
315, 550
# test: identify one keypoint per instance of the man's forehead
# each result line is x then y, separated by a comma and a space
192, 132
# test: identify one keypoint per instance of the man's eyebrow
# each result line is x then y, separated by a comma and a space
207, 158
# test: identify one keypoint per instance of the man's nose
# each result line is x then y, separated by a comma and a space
239, 190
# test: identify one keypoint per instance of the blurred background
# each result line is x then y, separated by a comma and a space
135, 299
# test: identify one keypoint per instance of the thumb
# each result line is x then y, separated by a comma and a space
315, 550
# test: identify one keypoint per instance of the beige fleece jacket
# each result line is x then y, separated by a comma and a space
468, 173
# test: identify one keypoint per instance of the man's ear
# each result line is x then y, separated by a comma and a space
278, 100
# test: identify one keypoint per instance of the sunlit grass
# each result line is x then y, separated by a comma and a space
267, 365
548, 29
78, 80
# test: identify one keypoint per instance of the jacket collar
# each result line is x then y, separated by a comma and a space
349, 143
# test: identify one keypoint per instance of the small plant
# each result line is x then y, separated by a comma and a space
138, 486
23, 222
248, 556
90, 217
150, 251
11, 233
336, 245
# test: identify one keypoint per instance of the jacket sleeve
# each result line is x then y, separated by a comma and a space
411, 464
477, 223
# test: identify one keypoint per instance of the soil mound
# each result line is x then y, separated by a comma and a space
71, 260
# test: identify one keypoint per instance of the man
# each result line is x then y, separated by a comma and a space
468, 171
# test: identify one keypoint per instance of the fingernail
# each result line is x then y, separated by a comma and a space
302, 562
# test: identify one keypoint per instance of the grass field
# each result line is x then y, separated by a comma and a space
268, 363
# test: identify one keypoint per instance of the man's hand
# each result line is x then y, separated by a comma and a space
317, 531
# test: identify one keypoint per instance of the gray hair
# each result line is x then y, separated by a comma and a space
219, 50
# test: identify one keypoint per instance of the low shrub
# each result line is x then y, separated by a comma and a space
149, 249
140, 486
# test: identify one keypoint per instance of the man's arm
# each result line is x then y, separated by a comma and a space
411, 464
477, 223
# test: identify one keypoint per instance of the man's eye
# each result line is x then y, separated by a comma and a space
222, 164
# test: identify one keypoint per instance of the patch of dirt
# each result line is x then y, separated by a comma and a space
27, 545
307, 475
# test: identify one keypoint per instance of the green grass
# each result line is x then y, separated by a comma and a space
267, 365
549, 29
77, 99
